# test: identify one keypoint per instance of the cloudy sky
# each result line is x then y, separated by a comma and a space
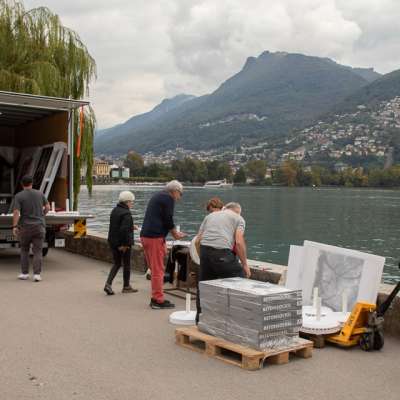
147, 50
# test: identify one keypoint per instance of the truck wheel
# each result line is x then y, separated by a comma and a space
366, 341
379, 340
45, 250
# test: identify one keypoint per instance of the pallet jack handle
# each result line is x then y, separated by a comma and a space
386, 304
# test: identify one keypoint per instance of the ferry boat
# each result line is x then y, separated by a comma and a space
218, 184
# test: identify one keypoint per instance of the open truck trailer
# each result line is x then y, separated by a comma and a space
36, 138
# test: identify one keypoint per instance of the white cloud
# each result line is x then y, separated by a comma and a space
211, 40
148, 50
378, 44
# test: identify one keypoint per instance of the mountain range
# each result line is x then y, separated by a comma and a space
272, 95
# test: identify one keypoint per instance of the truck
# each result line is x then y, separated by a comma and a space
37, 138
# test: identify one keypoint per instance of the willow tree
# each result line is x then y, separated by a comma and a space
39, 55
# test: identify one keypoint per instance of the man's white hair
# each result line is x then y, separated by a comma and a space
126, 196
233, 206
174, 186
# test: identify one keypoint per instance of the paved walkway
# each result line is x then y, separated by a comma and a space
64, 339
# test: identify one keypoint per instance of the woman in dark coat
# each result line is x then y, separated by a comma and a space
120, 238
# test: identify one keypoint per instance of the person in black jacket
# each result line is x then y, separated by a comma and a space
120, 238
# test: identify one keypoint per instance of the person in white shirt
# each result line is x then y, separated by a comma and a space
222, 245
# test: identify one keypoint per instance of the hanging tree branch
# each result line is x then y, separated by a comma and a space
39, 55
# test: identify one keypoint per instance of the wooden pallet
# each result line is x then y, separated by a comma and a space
318, 340
236, 354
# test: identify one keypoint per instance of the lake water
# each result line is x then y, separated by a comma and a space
360, 219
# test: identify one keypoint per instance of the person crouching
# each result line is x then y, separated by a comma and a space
120, 239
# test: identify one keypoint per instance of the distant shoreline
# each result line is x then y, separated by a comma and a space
201, 185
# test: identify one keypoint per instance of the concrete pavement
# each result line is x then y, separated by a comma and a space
63, 338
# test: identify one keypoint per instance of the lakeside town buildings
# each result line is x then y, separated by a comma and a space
336, 140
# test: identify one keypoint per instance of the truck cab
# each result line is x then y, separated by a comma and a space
36, 138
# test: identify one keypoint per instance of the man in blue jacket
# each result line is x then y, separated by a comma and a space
158, 222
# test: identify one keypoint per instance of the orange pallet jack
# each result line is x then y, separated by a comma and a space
365, 325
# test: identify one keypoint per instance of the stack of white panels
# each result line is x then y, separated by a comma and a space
256, 314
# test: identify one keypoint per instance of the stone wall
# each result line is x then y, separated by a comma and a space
96, 246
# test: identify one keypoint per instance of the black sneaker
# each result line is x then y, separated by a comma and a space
155, 305
108, 290
129, 289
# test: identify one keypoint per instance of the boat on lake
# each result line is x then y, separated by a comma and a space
218, 184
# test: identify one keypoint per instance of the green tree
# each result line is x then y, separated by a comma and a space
134, 161
354, 178
303, 178
240, 176
289, 173
201, 173
316, 175
194, 170
359, 179
212, 170
153, 170
391, 177
256, 170
375, 177
225, 171
331, 178
190, 170
185, 170
39, 55
177, 169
